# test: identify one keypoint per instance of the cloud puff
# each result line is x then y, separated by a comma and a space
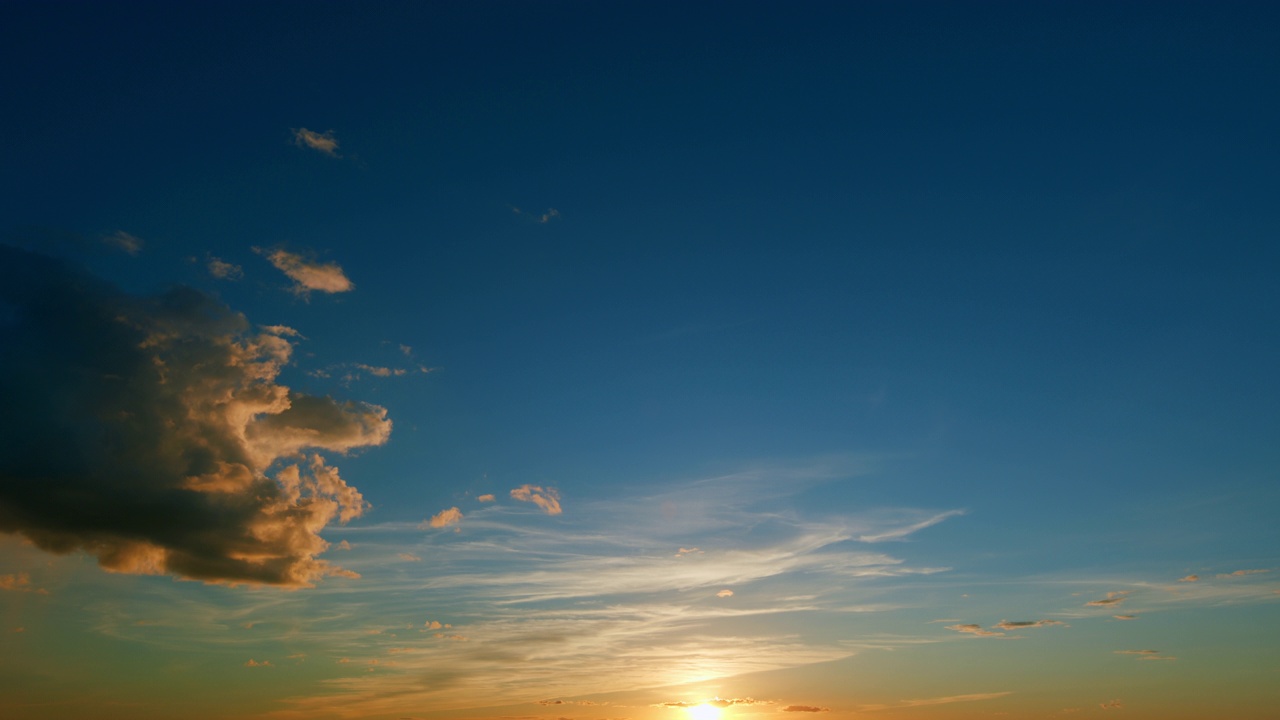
444, 518
547, 499
1024, 624
687, 551
1125, 617
974, 629
1113, 598
324, 142
724, 593
124, 242
1113, 705
20, 582
1189, 578
805, 708
487, 497
152, 434
255, 663
223, 270
308, 275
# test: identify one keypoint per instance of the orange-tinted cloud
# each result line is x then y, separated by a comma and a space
805, 708
255, 663
725, 593
1125, 617
324, 142
19, 582
444, 518
1113, 598
308, 275
1189, 578
487, 497
173, 448
1242, 573
974, 629
548, 499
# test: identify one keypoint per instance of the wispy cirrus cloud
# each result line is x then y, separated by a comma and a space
308, 275
974, 629
925, 702
1189, 578
324, 142
124, 242
901, 532
1112, 599
1027, 624
189, 457
1146, 654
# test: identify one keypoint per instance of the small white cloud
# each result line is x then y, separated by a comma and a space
324, 142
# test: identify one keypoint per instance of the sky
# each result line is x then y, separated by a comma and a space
639, 361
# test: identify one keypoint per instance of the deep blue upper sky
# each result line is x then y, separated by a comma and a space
1021, 248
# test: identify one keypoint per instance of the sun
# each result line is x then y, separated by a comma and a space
704, 712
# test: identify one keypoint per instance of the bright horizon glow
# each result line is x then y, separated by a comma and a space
705, 711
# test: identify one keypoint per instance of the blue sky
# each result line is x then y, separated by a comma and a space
866, 359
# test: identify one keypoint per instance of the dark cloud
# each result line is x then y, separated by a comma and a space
152, 434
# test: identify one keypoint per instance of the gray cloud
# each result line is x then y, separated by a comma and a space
151, 433
1024, 624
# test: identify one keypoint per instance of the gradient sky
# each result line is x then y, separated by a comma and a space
599, 360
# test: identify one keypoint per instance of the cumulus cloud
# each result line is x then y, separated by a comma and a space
548, 499
1113, 598
124, 242
223, 270
151, 433
324, 142
444, 518
308, 275
973, 629
805, 708
725, 593
487, 497
1024, 624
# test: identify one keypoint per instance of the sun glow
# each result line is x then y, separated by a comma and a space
704, 712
